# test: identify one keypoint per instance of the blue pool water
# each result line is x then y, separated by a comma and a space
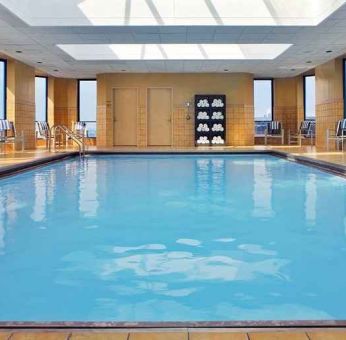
173, 238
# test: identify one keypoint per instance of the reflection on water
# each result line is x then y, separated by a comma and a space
40, 199
262, 193
152, 238
185, 265
310, 199
88, 200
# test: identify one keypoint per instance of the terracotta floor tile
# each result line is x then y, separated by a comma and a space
99, 336
278, 336
159, 336
332, 335
4, 336
40, 336
218, 336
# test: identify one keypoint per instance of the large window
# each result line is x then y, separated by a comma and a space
263, 104
41, 97
3, 86
309, 98
263, 99
87, 97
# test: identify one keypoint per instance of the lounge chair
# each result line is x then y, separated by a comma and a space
274, 130
306, 131
338, 135
80, 129
9, 135
43, 131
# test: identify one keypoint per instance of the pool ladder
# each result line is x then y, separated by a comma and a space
60, 132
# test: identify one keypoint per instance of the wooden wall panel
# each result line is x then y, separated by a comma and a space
300, 100
285, 103
329, 98
21, 100
65, 101
238, 88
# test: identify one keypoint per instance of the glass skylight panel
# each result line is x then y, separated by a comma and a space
173, 12
174, 51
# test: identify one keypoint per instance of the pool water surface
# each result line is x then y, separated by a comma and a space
173, 238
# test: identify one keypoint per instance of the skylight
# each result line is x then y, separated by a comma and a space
174, 51
172, 12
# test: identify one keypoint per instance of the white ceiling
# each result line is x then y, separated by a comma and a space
39, 43
172, 12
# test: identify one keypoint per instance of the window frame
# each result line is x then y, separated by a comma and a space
46, 113
272, 99
304, 97
5, 86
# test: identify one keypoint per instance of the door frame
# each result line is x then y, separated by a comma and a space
113, 110
172, 112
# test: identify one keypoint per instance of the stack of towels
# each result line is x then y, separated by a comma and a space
202, 127
217, 140
203, 103
202, 115
217, 103
217, 127
217, 115
203, 140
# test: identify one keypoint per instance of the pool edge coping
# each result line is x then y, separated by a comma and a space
10, 170
332, 168
269, 324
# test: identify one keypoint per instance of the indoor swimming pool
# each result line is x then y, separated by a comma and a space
154, 238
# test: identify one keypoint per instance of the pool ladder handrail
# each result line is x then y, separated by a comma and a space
64, 130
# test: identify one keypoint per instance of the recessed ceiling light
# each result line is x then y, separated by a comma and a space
174, 51
19, 51
329, 51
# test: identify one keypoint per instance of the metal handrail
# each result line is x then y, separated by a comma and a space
78, 139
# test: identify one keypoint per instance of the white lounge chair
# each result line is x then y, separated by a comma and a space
338, 135
9, 135
43, 131
274, 130
306, 131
